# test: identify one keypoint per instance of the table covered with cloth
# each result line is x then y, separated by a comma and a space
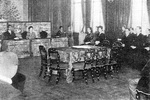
75, 54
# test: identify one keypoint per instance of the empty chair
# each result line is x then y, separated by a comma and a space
101, 62
85, 66
43, 54
116, 56
55, 65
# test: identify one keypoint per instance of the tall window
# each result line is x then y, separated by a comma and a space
76, 16
139, 15
96, 14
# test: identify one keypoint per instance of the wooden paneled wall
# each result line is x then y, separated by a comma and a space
56, 11
59, 13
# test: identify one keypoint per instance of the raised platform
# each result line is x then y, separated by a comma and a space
27, 48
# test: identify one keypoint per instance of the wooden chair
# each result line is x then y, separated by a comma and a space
85, 66
116, 56
101, 62
143, 88
55, 65
143, 95
43, 54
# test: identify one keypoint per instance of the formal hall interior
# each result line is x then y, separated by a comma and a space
74, 49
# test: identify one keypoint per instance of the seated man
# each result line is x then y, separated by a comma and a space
9, 34
140, 83
60, 32
9, 78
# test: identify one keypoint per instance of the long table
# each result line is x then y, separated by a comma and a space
75, 54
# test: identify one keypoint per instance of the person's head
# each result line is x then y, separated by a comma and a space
101, 28
138, 30
19, 28
9, 27
131, 30
97, 28
127, 31
123, 28
61, 28
69, 28
30, 29
148, 30
89, 30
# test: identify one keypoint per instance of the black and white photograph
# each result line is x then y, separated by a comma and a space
74, 49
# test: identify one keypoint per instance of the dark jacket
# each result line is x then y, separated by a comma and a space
8, 36
60, 34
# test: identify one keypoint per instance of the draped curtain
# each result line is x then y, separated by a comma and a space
83, 5
148, 7
117, 15
104, 11
88, 13
124, 12
77, 15
139, 15
96, 14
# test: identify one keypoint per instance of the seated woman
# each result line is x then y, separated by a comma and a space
89, 37
31, 34
60, 32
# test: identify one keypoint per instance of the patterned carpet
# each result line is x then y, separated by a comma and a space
38, 89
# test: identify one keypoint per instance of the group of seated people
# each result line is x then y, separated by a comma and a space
30, 34
94, 38
68, 34
135, 44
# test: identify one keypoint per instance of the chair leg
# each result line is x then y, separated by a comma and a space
50, 75
97, 73
45, 72
111, 70
92, 73
58, 77
138, 96
85, 75
105, 71
73, 74
41, 70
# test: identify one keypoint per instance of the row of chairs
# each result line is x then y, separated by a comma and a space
95, 62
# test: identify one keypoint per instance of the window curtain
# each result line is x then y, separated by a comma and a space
88, 13
104, 10
76, 15
83, 5
148, 7
59, 15
96, 14
124, 12
139, 15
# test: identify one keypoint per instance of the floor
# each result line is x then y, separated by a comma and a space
36, 88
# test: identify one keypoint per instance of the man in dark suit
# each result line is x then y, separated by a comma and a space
9, 34
138, 54
60, 32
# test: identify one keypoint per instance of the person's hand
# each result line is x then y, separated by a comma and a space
123, 45
133, 47
147, 48
87, 42
97, 42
